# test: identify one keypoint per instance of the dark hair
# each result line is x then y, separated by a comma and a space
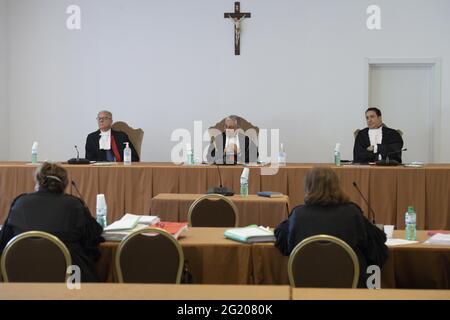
322, 187
376, 110
51, 177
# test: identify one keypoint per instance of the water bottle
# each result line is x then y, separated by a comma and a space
127, 154
34, 152
337, 154
282, 156
244, 182
101, 210
410, 224
190, 155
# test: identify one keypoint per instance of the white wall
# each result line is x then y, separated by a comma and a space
160, 65
4, 115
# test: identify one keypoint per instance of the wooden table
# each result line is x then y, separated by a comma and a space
390, 190
116, 291
216, 260
364, 294
252, 209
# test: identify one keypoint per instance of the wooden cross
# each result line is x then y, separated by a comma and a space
237, 17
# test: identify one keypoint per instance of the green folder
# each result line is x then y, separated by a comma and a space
250, 234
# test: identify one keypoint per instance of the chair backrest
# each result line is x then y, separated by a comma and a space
149, 256
136, 135
35, 256
323, 261
213, 210
245, 127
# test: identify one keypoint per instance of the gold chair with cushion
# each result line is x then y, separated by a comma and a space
213, 210
35, 256
149, 256
136, 135
323, 261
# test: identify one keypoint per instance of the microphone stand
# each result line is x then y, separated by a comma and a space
378, 225
77, 160
225, 191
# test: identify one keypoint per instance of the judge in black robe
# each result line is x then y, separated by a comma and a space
231, 146
247, 152
94, 153
66, 217
113, 151
334, 215
391, 141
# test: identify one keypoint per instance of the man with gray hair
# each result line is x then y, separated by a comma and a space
231, 146
106, 144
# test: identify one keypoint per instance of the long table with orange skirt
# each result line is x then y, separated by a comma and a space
129, 189
213, 259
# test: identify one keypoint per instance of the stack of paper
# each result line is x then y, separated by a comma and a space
439, 238
398, 242
148, 220
119, 235
122, 224
126, 225
250, 234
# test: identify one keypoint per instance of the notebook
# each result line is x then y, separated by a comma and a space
177, 229
270, 194
250, 234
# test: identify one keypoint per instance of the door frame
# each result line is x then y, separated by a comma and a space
434, 112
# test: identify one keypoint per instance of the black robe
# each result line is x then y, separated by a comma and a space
248, 150
62, 215
94, 153
345, 221
391, 143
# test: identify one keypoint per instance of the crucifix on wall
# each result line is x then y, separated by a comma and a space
237, 16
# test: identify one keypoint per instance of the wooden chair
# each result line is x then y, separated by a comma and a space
136, 135
323, 261
35, 256
213, 210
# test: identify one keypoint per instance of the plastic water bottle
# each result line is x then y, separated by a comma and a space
127, 154
244, 182
34, 152
101, 210
337, 154
410, 224
190, 155
282, 155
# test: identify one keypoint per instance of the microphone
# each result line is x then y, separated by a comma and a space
220, 190
77, 160
389, 162
380, 226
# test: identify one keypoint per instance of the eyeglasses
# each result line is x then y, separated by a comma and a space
103, 118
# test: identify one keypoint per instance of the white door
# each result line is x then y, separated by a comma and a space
403, 94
